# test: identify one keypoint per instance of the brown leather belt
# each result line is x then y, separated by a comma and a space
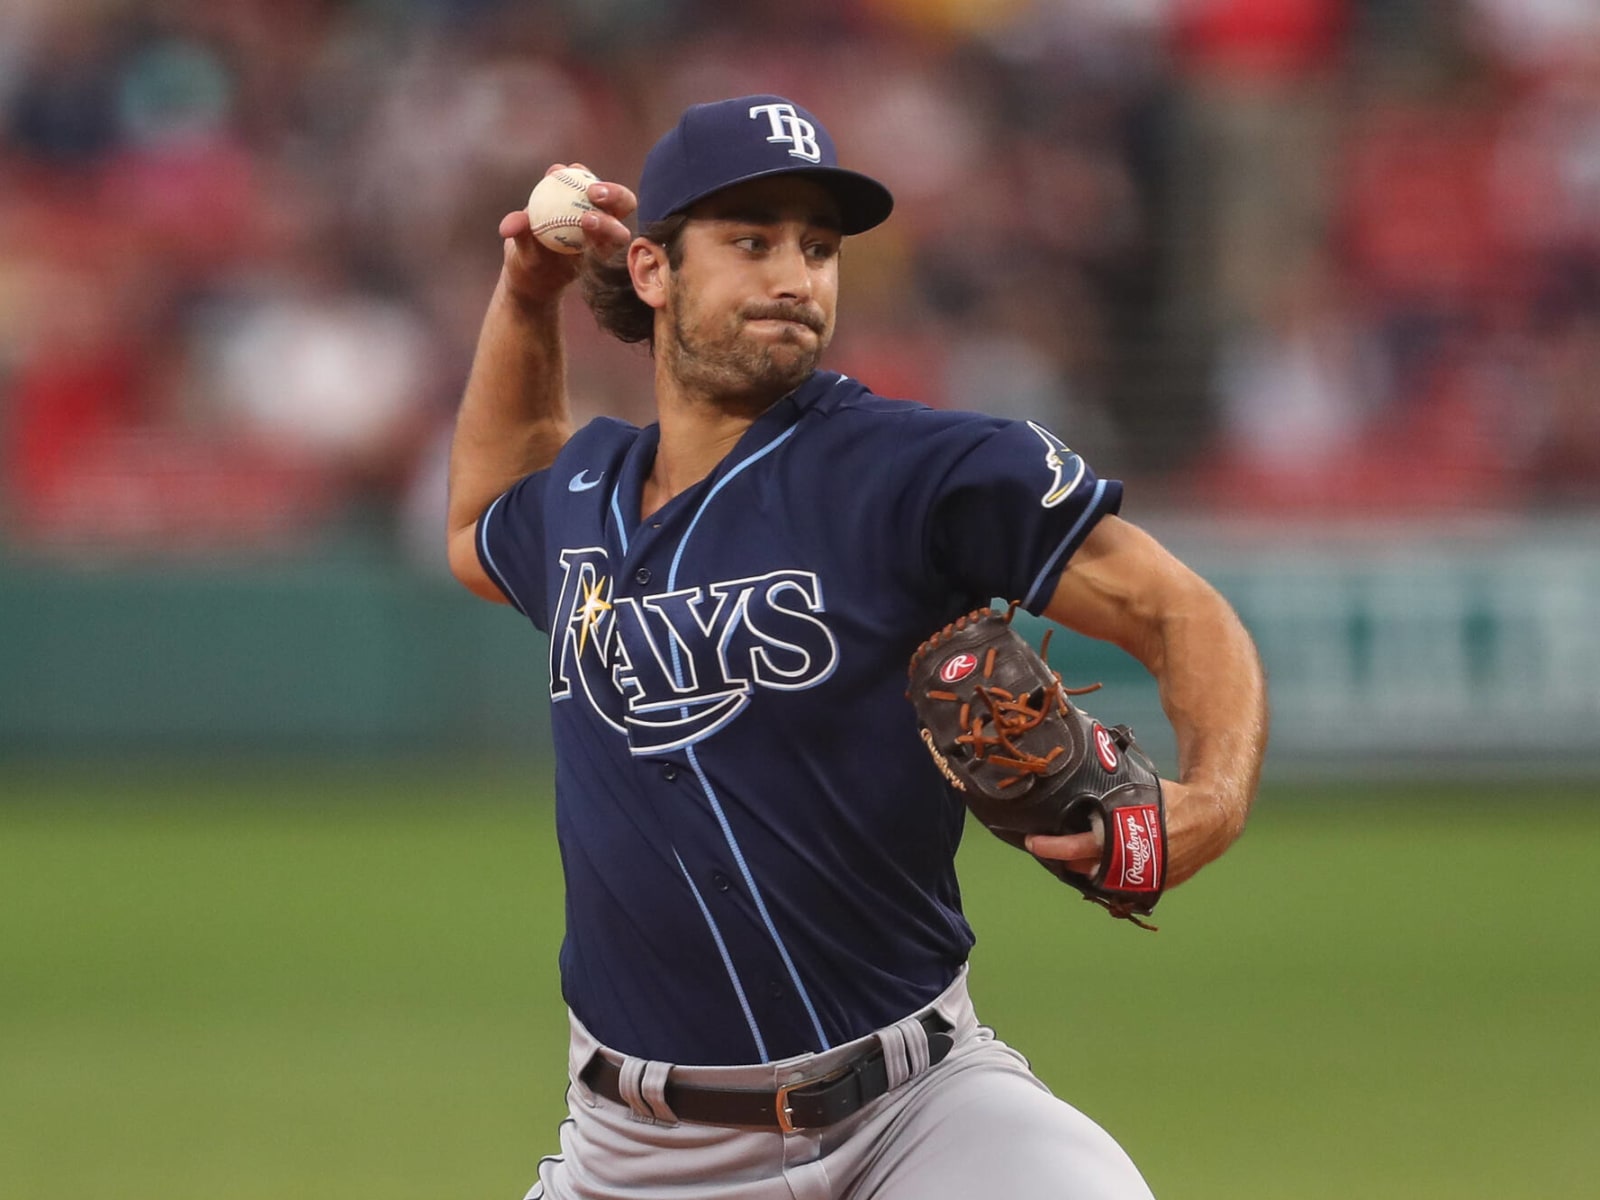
808, 1104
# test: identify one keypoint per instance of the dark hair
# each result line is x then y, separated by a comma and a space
608, 288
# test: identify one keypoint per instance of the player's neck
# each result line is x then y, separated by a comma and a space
696, 435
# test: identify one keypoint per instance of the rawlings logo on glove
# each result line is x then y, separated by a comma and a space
1001, 729
1138, 866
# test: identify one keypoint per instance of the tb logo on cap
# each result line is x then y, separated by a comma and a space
789, 126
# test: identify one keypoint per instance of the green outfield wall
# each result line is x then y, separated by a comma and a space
1477, 643
1478, 646
310, 657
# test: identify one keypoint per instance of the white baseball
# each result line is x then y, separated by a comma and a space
555, 207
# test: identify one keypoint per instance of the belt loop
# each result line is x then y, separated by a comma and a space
643, 1085
905, 1050
653, 1091
628, 1084
917, 1049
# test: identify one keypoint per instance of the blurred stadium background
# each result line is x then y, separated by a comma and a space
1320, 279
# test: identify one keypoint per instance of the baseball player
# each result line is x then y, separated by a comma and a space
765, 951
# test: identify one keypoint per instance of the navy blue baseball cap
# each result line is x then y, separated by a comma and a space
718, 145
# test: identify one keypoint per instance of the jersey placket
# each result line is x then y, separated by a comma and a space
669, 536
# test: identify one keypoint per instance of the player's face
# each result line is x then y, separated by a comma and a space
752, 304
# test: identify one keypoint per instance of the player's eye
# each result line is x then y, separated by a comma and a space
749, 243
822, 251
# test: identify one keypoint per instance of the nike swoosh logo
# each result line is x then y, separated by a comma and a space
579, 484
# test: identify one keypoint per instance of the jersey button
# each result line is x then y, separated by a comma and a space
669, 772
642, 575
722, 882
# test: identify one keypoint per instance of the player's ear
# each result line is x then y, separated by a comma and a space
650, 270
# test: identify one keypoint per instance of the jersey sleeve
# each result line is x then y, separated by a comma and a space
1009, 503
511, 546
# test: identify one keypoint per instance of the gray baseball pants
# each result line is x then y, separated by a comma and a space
977, 1125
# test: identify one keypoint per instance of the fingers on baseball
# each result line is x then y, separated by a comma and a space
514, 224
602, 229
613, 198
603, 193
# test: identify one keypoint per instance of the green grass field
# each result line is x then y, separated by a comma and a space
339, 982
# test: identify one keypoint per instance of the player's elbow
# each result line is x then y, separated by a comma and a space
1190, 610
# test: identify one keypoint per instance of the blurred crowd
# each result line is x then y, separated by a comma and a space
1320, 258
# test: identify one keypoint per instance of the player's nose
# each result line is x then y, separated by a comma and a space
789, 273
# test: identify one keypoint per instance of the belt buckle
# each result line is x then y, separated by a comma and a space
784, 1113
781, 1104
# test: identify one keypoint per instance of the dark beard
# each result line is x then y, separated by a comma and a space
737, 374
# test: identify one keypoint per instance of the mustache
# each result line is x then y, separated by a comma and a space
800, 314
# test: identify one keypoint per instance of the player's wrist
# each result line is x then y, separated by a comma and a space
534, 278
1204, 818
529, 299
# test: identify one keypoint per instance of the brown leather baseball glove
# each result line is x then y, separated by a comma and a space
1026, 760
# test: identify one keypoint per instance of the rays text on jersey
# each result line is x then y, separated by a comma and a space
670, 668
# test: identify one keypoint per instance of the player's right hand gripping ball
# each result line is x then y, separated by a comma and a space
1003, 733
556, 206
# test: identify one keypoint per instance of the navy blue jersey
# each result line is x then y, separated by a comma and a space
759, 852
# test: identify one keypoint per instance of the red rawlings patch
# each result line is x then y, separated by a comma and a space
1105, 748
1136, 850
958, 667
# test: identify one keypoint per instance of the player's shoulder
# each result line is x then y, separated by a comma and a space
835, 395
601, 442
593, 450
602, 433
856, 439
852, 403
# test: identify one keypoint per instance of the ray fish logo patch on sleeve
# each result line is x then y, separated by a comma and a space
1067, 468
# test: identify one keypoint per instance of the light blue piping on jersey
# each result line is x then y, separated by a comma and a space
694, 760
1094, 503
761, 905
672, 573
488, 555
727, 960
616, 511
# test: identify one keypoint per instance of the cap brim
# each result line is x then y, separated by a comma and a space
863, 201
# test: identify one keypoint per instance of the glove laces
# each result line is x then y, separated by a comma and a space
993, 733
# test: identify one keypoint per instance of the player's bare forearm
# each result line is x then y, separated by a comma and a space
514, 417
1123, 587
1214, 693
